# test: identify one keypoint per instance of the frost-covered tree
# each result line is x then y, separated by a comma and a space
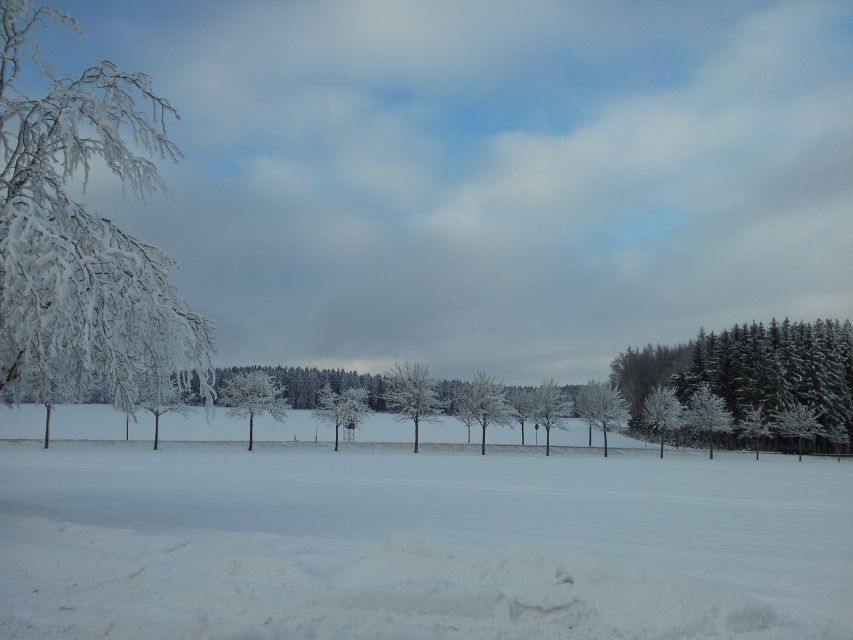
602, 406
411, 393
800, 422
72, 284
253, 394
354, 406
49, 383
346, 409
837, 435
662, 412
461, 409
158, 392
753, 427
551, 409
707, 413
522, 402
485, 399
328, 409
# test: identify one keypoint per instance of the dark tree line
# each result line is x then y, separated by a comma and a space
771, 368
637, 371
303, 384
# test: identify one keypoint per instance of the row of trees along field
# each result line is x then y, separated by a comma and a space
759, 371
483, 402
414, 396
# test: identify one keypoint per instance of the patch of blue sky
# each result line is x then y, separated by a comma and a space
645, 231
570, 97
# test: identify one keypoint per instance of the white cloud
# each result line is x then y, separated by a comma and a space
351, 233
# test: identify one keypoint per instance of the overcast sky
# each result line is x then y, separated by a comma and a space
521, 187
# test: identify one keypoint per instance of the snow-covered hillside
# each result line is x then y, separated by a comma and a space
112, 540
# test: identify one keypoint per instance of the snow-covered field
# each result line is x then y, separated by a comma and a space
112, 540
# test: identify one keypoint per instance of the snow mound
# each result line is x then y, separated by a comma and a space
523, 592
69, 580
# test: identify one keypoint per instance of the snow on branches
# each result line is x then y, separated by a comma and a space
522, 403
662, 412
253, 394
800, 422
602, 406
753, 427
346, 409
412, 394
707, 413
484, 400
550, 408
72, 284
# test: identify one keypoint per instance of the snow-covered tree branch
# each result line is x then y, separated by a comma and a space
61, 379
485, 401
551, 409
346, 409
412, 394
72, 282
461, 409
800, 422
662, 412
522, 402
253, 394
602, 406
158, 391
707, 413
753, 427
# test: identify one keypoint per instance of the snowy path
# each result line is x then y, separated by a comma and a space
206, 541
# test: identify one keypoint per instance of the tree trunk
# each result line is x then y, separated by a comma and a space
712, 446
522, 433
756, 448
47, 426
156, 430
127, 427
337, 426
483, 445
416, 435
800, 448
469, 434
661, 445
547, 441
590, 436
251, 430
605, 441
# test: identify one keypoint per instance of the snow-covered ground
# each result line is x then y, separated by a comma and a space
102, 422
113, 540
